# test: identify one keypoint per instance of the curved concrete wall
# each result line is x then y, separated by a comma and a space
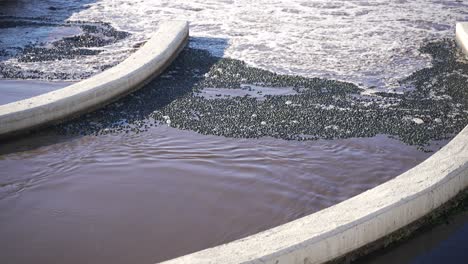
359, 221
148, 62
462, 36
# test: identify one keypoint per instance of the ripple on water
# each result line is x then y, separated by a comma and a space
78, 195
151, 186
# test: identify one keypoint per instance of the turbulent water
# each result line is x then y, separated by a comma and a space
276, 109
373, 43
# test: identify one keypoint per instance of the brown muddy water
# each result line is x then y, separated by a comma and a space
196, 159
245, 148
152, 196
14, 90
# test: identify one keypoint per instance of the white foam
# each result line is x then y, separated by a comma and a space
372, 43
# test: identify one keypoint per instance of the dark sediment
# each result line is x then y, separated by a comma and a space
97, 35
94, 35
435, 109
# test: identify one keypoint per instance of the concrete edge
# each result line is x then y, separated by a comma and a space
134, 72
359, 221
462, 36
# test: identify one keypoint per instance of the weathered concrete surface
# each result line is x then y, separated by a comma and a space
462, 36
361, 220
145, 64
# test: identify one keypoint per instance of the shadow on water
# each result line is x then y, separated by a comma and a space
16, 15
441, 239
58, 10
178, 80
226, 97
40, 32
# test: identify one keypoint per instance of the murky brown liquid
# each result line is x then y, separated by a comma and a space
15, 90
148, 197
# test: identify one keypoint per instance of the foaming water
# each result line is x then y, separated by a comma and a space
129, 198
146, 195
373, 43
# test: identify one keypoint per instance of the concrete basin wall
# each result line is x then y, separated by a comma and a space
145, 64
359, 221
462, 36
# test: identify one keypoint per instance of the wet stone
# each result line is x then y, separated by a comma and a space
318, 109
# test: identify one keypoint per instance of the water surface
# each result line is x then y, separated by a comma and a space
145, 179
15, 90
156, 195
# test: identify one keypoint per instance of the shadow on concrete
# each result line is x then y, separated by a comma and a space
442, 239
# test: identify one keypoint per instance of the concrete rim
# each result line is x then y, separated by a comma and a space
462, 36
361, 220
142, 66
